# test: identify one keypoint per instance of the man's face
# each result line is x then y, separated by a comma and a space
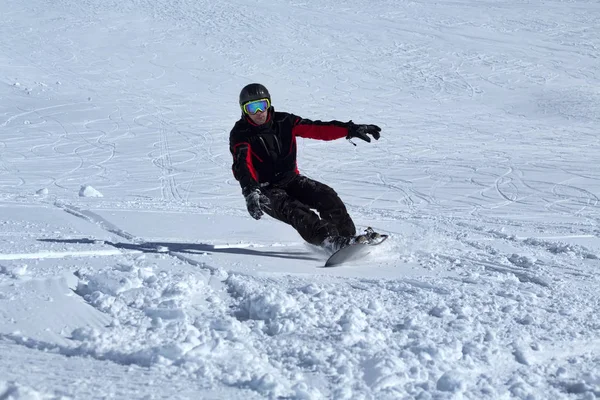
260, 117
257, 110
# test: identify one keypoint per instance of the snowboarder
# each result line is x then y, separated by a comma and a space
263, 146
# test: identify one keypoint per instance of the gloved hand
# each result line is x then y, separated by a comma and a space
254, 200
361, 131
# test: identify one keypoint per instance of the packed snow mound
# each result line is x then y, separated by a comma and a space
88, 191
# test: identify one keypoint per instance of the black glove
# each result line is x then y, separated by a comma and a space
361, 131
255, 202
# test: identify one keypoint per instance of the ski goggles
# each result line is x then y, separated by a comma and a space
252, 107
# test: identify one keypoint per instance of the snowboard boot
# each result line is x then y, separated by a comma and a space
335, 243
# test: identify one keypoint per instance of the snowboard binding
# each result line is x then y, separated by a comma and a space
356, 247
370, 237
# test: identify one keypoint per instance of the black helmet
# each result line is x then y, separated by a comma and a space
254, 91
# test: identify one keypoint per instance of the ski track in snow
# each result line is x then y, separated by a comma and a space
485, 177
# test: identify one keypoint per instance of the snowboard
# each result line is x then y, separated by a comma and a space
353, 252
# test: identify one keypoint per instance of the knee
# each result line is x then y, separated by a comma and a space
330, 200
326, 191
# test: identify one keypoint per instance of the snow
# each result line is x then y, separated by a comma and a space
87, 191
130, 268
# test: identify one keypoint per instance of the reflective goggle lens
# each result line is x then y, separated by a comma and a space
253, 107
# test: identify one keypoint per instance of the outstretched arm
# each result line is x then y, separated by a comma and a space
321, 130
331, 130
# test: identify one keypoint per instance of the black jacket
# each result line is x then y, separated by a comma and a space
266, 154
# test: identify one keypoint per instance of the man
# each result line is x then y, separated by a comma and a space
263, 145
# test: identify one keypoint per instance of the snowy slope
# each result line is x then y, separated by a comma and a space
129, 267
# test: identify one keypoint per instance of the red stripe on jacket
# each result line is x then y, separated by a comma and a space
249, 164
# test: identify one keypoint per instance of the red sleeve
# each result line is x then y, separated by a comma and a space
243, 169
328, 130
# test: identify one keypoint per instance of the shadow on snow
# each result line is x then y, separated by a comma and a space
190, 248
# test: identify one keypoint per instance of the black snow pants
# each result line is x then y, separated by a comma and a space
294, 202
